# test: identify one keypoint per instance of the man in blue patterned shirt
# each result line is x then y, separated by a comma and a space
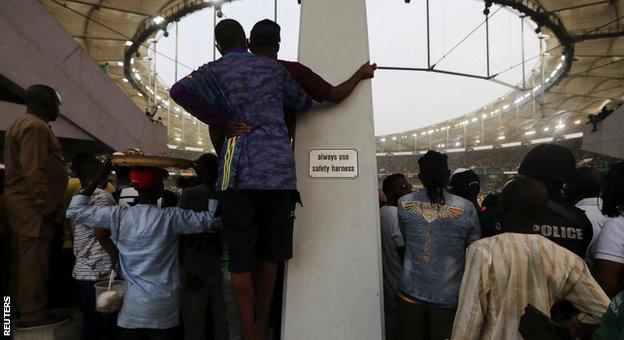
244, 95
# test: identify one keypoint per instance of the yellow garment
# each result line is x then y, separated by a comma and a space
36, 176
506, 272
73, 188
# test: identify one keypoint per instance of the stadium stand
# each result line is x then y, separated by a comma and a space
494, 166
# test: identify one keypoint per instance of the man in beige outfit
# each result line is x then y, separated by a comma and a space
36, 179
506, 272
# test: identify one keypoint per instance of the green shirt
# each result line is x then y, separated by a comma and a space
612, 321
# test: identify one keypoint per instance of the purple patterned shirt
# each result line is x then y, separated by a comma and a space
245, 88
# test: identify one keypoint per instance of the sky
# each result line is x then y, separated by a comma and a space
403, 100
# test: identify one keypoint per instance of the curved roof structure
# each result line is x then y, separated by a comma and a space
581, 70
106, 28
586, 38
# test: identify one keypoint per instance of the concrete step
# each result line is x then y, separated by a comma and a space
71, 330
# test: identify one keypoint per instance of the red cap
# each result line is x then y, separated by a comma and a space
146, 178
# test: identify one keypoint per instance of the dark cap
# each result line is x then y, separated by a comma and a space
550, 162
464, 179
265, 33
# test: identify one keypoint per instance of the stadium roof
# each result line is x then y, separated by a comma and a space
588, 32
593, 31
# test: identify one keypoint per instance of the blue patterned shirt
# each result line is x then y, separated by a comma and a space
245, 88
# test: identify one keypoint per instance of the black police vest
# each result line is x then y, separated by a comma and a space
567, 226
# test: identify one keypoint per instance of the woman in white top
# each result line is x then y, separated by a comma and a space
609, 260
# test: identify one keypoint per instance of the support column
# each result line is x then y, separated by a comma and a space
333, 286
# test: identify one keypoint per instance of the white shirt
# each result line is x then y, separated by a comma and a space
610, 244
391, 240
506, 272
592, 207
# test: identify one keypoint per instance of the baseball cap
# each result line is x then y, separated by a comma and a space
464, 179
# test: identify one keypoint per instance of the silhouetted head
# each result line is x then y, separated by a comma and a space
585, 182
123, 175
230, 35
207, 168
550, 163
434, 175
520, 203
86, 168
613, 191
490, 201
265, 39
465, 183
395, 186
43, 102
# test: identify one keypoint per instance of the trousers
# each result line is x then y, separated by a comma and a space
202, 295
418, 321
32, 274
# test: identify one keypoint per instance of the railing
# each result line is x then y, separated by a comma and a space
148, 27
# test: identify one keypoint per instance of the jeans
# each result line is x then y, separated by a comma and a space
417, 321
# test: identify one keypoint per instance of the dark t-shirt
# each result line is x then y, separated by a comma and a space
200, 253
487, 220
566, 225
312, 83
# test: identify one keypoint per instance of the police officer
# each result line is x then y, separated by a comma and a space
560, 222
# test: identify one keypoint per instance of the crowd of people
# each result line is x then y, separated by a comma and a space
495, 166
543, 258
492, 161
209, 263
206, 264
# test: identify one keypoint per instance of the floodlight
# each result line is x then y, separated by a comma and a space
158, 20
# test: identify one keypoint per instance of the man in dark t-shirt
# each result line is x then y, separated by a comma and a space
561, 222
202, 301
265, 40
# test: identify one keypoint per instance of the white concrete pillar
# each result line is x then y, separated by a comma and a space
333, 285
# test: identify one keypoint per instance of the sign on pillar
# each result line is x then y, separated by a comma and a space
333, 163
333, 287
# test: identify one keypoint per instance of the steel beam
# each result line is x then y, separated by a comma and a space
99, 6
